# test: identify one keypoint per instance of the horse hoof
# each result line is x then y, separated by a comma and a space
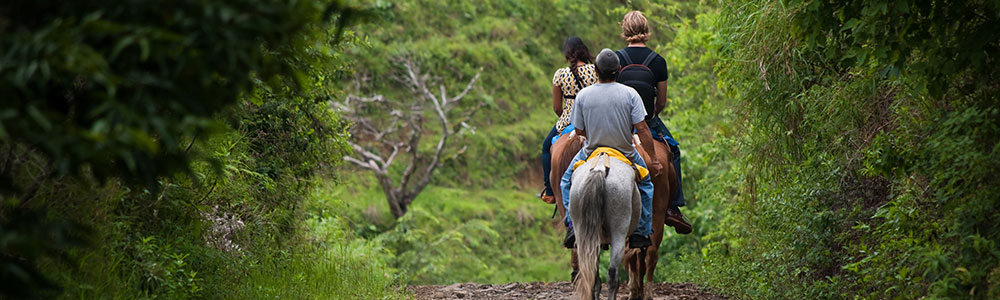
635, 295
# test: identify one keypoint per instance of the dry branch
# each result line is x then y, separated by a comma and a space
378, 141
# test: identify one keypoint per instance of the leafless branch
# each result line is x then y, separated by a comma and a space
401, 134
468, 88
369, 165
365, 153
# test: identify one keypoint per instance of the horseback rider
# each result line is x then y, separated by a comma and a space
606, 113
566, 83
646, 71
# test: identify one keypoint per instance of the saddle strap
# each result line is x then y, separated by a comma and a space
609, 153
607, 163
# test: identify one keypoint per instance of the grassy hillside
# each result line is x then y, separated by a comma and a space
462, 235
825, 156
488, 193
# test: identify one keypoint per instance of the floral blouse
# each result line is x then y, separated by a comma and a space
567, 83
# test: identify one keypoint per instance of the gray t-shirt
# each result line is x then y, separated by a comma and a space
607, 111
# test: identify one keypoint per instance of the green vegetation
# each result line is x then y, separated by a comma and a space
831, 151
173, 151
862, 167
192, 150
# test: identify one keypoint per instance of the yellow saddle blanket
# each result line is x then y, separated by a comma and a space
614, 153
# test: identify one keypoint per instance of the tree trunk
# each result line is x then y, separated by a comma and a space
392, 195
381, 145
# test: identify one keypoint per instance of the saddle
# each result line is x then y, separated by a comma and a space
640, 172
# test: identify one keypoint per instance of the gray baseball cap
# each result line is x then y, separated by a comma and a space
607, 61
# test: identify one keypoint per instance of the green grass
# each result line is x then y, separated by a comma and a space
331, 263
461, 235
342, 268
324, 260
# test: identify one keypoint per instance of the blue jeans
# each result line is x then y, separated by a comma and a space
547, 160
658, 129
645, 226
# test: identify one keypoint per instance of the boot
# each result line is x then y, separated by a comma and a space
570, 240
638, 241
676, 219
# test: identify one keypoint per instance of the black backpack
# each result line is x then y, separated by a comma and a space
640, 78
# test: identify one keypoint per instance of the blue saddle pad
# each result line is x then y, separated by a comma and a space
569, 128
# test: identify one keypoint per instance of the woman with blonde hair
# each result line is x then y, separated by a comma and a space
646, 71
566, 82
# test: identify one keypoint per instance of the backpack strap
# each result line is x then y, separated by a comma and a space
579, 85
649, 58
624, 54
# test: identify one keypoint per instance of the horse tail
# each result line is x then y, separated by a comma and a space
588, 230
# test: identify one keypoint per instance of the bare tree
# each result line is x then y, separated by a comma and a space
390, 131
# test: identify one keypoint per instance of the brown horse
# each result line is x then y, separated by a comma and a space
563, 151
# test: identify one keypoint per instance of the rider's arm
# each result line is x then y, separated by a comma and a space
557, 98
579, 123
647, 139
661, 97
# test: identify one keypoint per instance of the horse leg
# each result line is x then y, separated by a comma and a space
575, 264
617, 254
612, 283
652, 256
632, 265
642, 271
661, 201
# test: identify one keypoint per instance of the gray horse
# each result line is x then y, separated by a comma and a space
605, 208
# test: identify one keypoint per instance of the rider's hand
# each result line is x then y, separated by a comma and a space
655, 168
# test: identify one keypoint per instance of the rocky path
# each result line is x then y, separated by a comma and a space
548, 291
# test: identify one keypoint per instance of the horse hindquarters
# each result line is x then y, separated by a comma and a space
663, 186
563, 151
620, 228
587, 200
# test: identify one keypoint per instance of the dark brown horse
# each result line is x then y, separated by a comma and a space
563, 151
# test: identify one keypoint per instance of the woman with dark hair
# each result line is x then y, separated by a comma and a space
565, 84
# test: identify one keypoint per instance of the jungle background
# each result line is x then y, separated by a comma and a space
195, 149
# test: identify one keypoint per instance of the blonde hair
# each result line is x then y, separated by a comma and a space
634, 27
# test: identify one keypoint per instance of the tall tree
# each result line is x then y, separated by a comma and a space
384, 129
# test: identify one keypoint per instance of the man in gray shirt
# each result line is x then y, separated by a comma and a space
606, 113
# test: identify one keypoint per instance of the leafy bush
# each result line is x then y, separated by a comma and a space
117, 87
867, 132
188, 136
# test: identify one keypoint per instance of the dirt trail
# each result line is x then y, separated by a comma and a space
548, 291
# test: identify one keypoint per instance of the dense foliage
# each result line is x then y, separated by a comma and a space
866, 150
118, 87
172, 150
